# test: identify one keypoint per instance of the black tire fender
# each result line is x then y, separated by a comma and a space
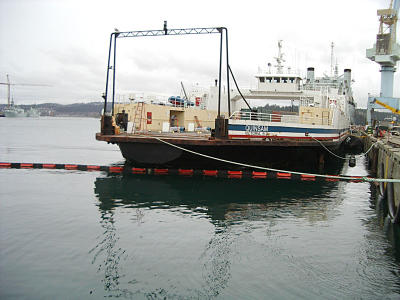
381, 204
394, 212
381, 174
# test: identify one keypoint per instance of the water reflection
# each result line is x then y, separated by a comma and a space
248, 218
224, 202
220, 199
112, 253
383, 221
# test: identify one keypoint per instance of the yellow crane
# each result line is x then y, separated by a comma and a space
392, 109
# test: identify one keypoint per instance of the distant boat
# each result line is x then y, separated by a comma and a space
11, 111
14, 112
33, 113
17, 112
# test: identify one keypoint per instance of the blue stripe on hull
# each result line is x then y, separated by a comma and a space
237, 127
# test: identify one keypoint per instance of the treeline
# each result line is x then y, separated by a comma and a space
360, 115
94, 109
90, 109
270, 108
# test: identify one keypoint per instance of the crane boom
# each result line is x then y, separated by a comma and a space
24, 84
8, 84
392, 109
184, 91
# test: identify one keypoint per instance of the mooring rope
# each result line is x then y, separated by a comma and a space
362, 178
344, 158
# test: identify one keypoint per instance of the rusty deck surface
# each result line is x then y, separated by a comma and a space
205, 139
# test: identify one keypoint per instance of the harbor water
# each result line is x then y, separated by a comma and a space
88, 235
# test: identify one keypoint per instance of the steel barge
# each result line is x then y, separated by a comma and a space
146, 150
296, 141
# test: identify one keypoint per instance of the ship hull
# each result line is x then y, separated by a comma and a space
164, 156
205, 153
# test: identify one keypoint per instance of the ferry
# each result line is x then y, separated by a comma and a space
324, 112
302, 140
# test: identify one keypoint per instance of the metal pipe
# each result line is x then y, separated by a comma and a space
108, 71
227, 72
220, 69
234, 80
113, 95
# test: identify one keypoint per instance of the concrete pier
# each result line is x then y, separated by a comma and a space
384, 162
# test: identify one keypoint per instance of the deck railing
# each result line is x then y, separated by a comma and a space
280, 118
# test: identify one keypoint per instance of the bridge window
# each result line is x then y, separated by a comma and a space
262, 79
269, 79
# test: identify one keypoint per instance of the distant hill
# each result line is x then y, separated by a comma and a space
90, 109
94, 109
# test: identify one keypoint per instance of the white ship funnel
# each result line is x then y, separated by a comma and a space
310, 74
347, 77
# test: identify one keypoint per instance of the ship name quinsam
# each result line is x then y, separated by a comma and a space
256, 129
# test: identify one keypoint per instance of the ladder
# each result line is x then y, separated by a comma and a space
197, 122
138, 117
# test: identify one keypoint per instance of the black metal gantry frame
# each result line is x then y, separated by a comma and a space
166, 31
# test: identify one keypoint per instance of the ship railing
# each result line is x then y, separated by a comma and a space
280, 118
257, 116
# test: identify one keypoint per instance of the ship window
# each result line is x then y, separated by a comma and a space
291, 79
262, 79
277, 79
284, 79
269, 79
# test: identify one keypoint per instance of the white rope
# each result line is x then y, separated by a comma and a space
368, 149
328, 149
344, 158
367, 179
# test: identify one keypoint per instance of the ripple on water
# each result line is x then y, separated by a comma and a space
73, 234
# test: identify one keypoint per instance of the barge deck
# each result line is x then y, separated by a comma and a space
207, 140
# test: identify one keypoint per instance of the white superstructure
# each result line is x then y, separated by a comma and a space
323, 103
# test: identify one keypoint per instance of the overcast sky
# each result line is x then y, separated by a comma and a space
64, 44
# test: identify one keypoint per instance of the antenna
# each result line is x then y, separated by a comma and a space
336, 69
332, 58
279, 59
